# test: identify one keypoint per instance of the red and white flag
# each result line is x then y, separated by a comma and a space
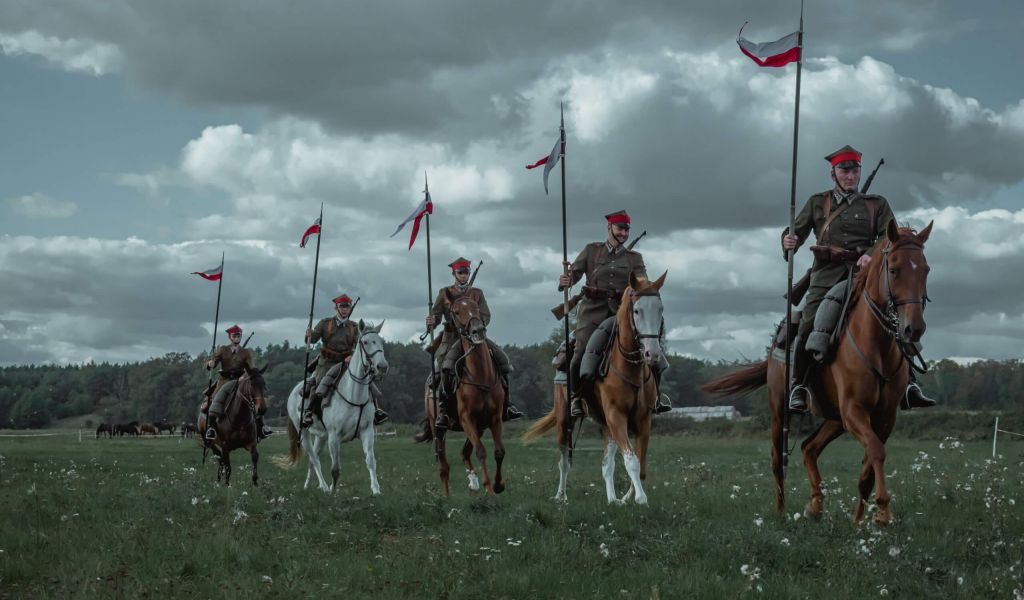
779, 53
212, 274
549, 162
314, 229
425, 208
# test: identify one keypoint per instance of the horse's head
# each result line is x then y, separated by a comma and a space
898, 280
371, 348
257, 385
468, 320
646, 314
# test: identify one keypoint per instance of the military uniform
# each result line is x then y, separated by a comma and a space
337, 339
447, 351
607, 269
234, 360
847, 225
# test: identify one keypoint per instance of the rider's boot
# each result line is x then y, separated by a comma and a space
379, 416
915, 397
262, 431
799, 394
663, 404
441, 423
576, 408
511, 412
312, 409
211, 428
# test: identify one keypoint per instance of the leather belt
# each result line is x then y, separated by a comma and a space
595, 293
835, 254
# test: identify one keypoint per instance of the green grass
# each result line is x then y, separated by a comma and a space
143, 518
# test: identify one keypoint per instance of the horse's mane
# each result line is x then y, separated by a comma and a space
908, 235
257, 379
645, 287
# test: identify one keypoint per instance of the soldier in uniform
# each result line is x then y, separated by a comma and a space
338, 335
607, 266
233, 360
447, 350
847, 225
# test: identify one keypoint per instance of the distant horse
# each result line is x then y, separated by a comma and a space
122, 429
348, 416
479, 400
105, 429
163, 426
188, 430
148, 428
860, 390
236, 428
622, 401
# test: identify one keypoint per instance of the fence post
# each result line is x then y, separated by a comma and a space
995, 434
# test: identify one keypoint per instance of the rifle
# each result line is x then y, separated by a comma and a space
559, 311
352, 310
246, 343
800, 287
871, 177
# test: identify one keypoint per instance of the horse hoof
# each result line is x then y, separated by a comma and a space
615, 502
883, 517
641, 500
499, 488
813, 511
561, 498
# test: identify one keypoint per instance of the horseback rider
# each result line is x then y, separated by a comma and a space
848, 225
338, 336
234, 360
448, 347
607, 266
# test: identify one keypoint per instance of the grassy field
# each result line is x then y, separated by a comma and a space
143, 518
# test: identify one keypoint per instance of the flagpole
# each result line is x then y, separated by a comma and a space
791, 253
216, 318
565, 270
312, 304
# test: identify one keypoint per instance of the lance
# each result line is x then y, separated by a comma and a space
871, 177
312, 303
784, 451
570, 422
430, 293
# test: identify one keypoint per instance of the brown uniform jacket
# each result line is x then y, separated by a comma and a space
608, 276
854, 228
232, 364
338, 340
440, 310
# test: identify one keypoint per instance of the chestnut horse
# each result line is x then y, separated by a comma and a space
622, 401
860, 390
479, 400
236, 428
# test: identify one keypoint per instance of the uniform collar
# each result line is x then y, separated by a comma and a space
234, 348
339, 321
613, 250
839, 197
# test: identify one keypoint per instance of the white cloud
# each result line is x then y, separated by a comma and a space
71, 54
41, 206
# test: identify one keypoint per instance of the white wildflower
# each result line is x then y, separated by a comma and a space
267, 579
759, 521
195, 500
603, 549
784, 541
240, 515
894, 551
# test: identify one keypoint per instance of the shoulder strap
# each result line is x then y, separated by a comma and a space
329, 328
872, 207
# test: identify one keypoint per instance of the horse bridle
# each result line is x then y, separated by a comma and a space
889, 317
366, 377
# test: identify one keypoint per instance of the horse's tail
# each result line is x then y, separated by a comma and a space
424, 435
294, 448
740, 382
542, 425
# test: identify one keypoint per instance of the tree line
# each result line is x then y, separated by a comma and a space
170, 387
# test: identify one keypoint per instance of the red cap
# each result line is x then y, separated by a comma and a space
845, 157
234, 329
618, 217
459, 263
343, 300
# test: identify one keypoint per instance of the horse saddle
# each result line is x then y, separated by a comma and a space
329, 382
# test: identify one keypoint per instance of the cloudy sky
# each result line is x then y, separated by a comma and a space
142, 139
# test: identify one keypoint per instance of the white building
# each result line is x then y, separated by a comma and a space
703, 413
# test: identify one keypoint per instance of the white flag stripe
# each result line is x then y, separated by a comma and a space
768, 49
422, 206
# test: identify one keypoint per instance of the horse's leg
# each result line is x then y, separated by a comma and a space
858, 423
812, 448
334, 447
563, 444
367, 437
255, 460
617, 430
608, 468
440, 451
643, 440
226, 457
473, 436
776, 396
467, 459
499, 453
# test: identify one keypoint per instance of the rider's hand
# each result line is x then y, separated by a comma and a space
789, 242
348, 359
564, 281
864, 260
209, 364
430, 321
309, 334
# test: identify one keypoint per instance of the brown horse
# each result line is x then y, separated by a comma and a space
479, 400
622, 401
861, 389
148, 428
237, 427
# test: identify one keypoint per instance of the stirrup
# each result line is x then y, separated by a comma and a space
917, 400
442, 421
662, 405
307, 418
796, 405
379, 416
512, 413
211, 434
576, 408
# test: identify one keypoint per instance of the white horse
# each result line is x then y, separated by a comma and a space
348, 416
